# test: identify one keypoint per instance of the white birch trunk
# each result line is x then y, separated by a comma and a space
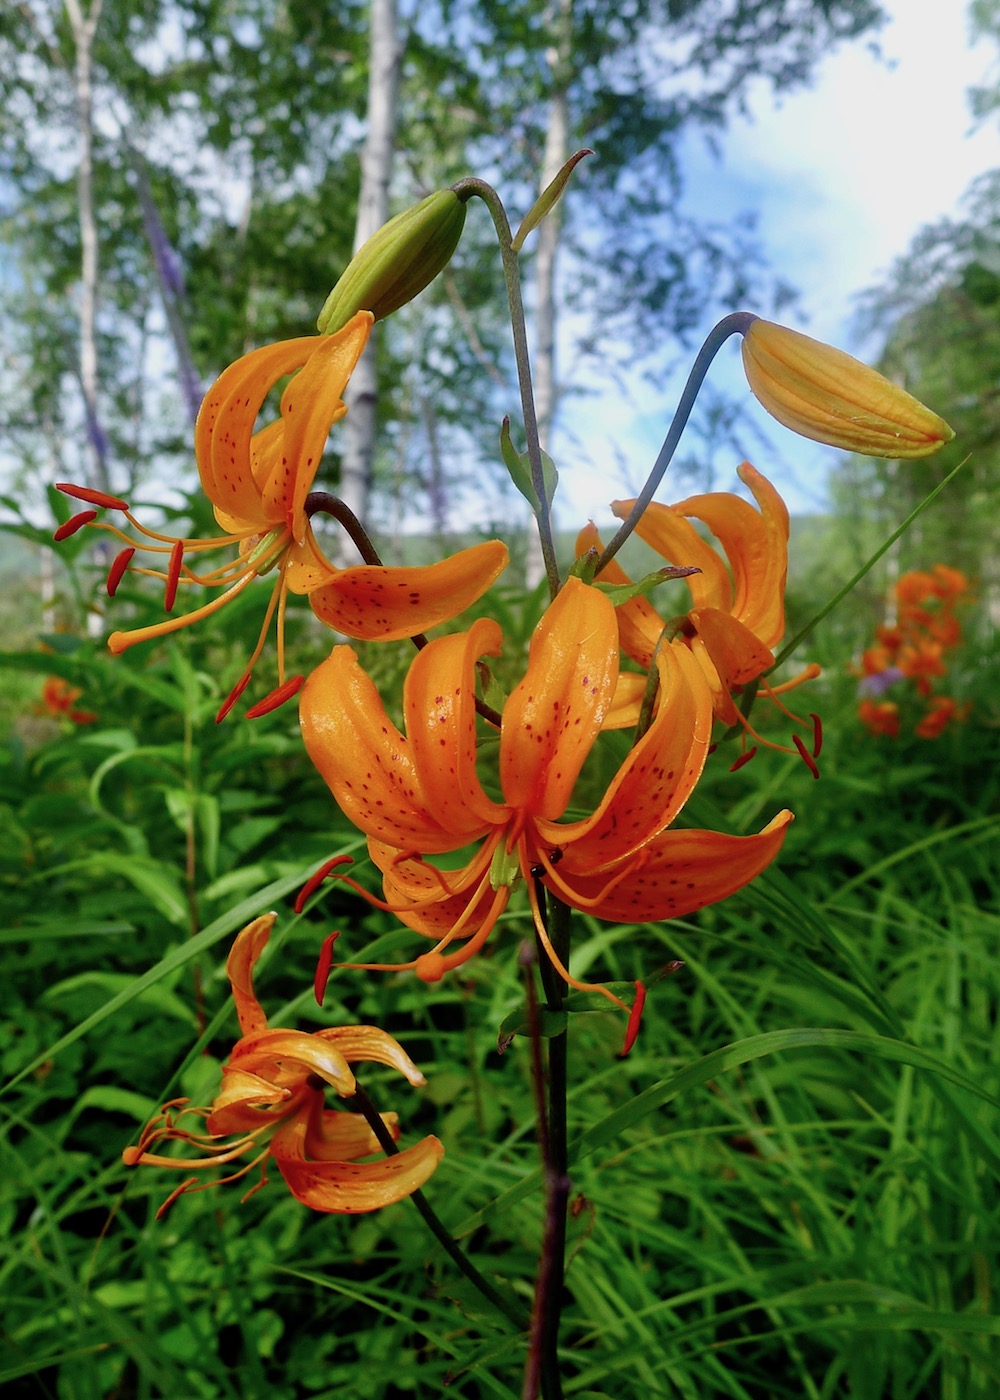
373, 211
83, 27
556, 155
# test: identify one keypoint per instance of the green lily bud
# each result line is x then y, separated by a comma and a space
398, 262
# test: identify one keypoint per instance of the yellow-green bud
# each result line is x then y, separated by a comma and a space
398, 262
829, 396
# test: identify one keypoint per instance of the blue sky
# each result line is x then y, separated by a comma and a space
840, 178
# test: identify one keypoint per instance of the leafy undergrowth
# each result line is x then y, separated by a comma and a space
788, 1189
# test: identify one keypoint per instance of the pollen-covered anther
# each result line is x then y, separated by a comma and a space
323, 965
807, 757
118, 569
75, 522
278, 697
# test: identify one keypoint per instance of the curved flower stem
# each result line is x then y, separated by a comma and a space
543, 1353
734, 324
510, 1310
324, 503
472, 185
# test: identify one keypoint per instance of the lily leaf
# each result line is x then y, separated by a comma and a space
547, 199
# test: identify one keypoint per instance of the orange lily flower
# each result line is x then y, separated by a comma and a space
420, 795
739, 610
941, 711
258, 484
271, 1105
59, 700
880, 717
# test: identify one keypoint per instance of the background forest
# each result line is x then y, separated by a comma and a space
789, 1188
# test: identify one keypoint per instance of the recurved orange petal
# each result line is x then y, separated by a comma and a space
333, 1136
756, 545
737, 654
554, 715
293, 1054
371, 1043
439, 702
249, 944
351, 1188
639, 624
381, 604
225, 425
422, 901
364, 760
652, 784
311, 404
682, 871
667, 530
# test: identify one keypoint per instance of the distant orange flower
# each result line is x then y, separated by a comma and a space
942, 711
881, 717
271, 1106
420, 795
739, 607
258, 484
59, 699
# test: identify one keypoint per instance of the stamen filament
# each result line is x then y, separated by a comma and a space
121, 641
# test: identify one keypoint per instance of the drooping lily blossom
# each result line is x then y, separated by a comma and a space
272, 1107
420, 795
258, 484
739, 608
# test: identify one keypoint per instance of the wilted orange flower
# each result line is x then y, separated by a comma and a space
739, 609
419, 795
271, 1106
881, 717
258, 484
59, 700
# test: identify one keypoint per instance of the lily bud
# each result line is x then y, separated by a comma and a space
829, 396
398, 262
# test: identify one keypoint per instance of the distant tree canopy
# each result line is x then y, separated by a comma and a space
220, 142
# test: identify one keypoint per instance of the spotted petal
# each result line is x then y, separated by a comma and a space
250, 943
439, 704
365, 761
225, 424
351, 1188
381, 604
655, 780
680, 872
553, 717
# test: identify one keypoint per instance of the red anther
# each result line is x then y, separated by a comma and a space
323, 964
817, 734
743, 760
117, 571
711, 748
634, 1017
233, 696
807, 757
173, 575
316, 879
277, 697
74, 523
94, 498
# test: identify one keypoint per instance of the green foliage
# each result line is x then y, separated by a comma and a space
788, 1188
